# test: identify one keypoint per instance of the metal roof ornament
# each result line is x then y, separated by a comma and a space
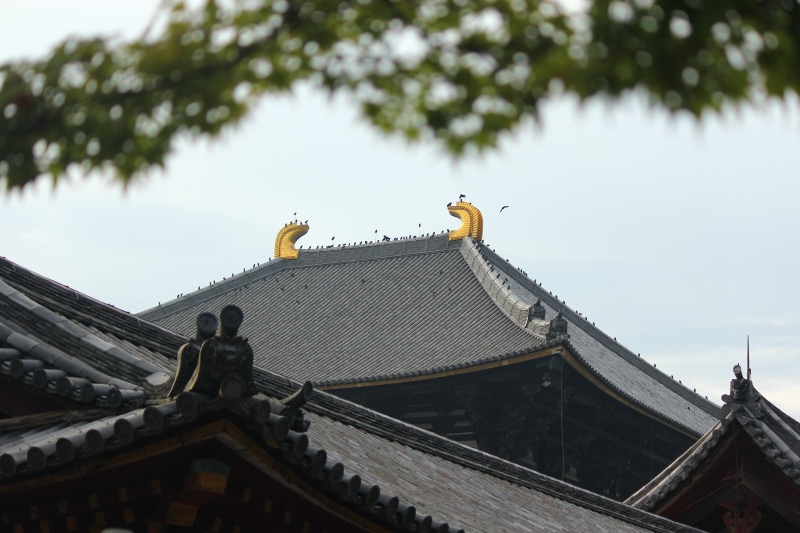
286, 239
471, 221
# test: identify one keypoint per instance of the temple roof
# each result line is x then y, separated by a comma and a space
358, 314
774, 433
415, 307
59, 331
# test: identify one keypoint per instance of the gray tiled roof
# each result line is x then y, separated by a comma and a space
414, 307
474, 500
56, 339
455, 482
773, 432
363, 319
443, 479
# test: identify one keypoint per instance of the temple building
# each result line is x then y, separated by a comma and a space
112, 423
441, 332
417, 384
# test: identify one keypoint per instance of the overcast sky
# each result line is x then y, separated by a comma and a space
679, 239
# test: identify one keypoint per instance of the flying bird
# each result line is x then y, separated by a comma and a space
462, 196
501, 209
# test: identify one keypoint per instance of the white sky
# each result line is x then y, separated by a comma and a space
678, 239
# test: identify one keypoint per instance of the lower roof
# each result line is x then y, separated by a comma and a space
449, 482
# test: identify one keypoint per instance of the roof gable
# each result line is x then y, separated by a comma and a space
750, 422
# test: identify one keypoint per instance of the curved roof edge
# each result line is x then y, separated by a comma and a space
203, 294
549, 348
627, 396
436, 371
503, 296
576, 320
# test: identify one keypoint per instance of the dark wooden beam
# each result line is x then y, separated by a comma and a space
52, 417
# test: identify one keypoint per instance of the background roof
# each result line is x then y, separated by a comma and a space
675, 238
413, 307
450, 481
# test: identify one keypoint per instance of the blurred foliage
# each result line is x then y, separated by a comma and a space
456, 72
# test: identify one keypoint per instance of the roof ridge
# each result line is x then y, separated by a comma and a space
306, 257
76, 330
792, 456
793, 424
211, 291
84, 353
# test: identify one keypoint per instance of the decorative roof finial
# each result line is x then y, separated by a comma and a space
471, 221
286, 239
558, 326
741, 388
536, 310
217, 365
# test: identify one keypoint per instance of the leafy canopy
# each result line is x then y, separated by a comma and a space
456, 72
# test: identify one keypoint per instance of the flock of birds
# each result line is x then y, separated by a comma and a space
385, 238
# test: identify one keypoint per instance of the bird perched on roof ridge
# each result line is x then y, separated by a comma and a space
462, 196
